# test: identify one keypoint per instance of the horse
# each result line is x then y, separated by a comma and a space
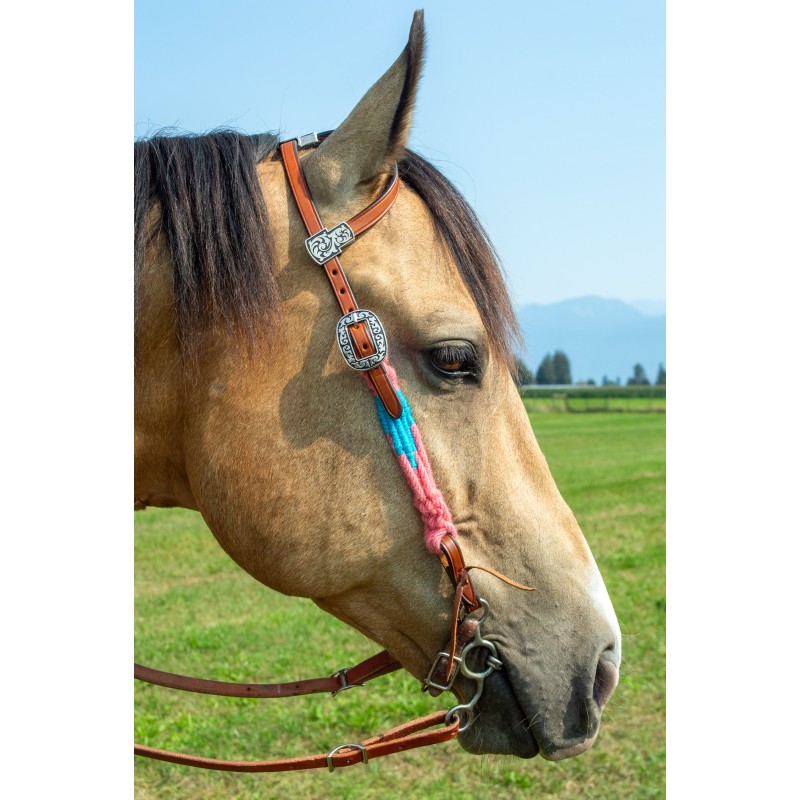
246, 412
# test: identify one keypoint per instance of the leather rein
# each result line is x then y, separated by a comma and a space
362, 340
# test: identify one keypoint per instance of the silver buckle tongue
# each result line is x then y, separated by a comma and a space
346, 343
327, 244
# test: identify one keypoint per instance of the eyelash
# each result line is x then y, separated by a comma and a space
463, 356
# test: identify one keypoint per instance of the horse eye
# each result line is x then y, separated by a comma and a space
454, 360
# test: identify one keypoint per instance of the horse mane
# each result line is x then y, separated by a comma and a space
212, 214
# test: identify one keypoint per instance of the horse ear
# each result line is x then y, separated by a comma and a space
375, 134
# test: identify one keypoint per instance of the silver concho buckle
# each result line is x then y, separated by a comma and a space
326, 244
346, 343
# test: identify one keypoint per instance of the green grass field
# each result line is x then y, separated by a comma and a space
560, 402
198, 613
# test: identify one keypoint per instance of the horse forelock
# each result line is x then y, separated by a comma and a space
471, 249
202, 194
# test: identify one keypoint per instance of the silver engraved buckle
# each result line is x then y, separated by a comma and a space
326, 244
347, 347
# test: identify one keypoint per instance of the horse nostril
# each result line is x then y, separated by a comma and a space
605, 681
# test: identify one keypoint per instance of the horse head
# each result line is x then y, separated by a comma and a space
246, 411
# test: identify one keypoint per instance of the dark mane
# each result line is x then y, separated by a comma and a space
212, 213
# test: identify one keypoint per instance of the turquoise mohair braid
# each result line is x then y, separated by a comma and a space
399, 430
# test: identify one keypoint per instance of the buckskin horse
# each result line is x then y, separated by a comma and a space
344, 488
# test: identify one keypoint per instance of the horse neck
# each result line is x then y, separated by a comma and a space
159, 386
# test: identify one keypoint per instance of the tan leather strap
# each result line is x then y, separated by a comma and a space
502, 577
360, 222
442, 671
452, 560
333, 268
461, 630
376, 666
372, 213
454, 626
404, 737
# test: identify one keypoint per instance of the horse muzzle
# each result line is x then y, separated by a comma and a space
516, 714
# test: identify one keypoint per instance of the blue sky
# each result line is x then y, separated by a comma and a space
573, 92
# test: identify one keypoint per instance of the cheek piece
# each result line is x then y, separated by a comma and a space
363, 343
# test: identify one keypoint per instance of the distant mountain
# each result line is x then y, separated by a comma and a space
650, 307
600, 337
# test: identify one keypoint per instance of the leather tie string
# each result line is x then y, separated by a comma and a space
461, 585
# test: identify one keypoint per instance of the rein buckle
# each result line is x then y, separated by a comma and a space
429, 683
364, 755
342, 675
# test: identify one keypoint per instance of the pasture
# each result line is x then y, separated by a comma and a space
592, 399
198, 613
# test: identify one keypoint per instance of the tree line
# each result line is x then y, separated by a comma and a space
554, 370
